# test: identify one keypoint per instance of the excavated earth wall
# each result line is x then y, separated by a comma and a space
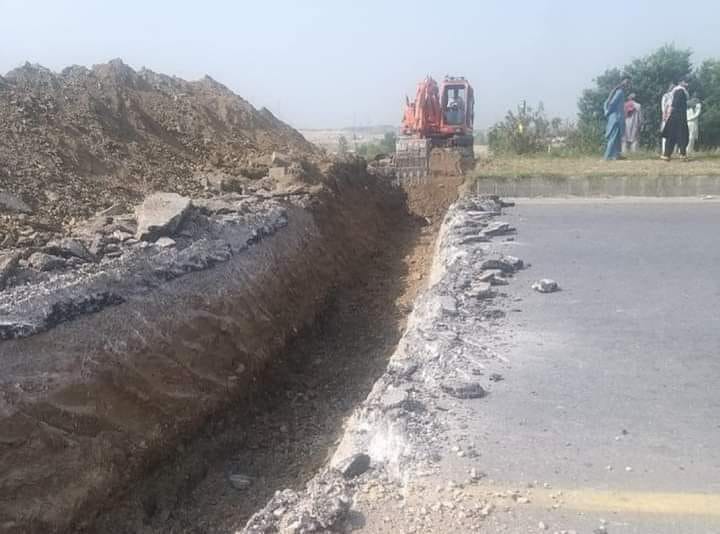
103, 375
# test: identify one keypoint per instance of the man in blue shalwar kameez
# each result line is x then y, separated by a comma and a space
615, 114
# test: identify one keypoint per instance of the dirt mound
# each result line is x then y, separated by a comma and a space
75, 142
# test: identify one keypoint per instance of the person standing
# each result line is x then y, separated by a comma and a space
614, 109
693, 117
676, 127
633, 119
665, 105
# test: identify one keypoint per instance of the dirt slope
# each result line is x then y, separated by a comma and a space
84, 139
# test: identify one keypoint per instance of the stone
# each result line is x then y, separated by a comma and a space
8, 264
277, 173
13, 203
160, 215
354, 466
45, 262
122, 236
481, 290
506, 264
216, 205
393, 398
165, 242
545, 285
463, 390
239, 481
498, 228
69, 248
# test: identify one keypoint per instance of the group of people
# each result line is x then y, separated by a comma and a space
679, 127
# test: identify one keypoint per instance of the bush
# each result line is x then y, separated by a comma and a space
528, 131
386, 146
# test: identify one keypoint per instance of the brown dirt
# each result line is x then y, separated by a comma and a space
293, 424
75, 142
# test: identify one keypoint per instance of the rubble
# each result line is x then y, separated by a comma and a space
464, 390
321, 507
160, 215
545, 285
8, 262
84, 141
13, 203
45, 262
69, 248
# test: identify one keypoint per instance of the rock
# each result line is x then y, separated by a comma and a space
393, 398
463, 390
506, 264
8, 241
216, 205
498, 228
481, 290
69, 248
277, 173
160, 215
165, 242
8, 264
354, 466
122, 236
45, 262
239, 481
13, 203
545, 285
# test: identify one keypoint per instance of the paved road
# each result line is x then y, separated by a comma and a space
614, 392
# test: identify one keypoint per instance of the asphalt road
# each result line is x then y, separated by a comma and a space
613, 395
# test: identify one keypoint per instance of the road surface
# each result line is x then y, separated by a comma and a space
613, 396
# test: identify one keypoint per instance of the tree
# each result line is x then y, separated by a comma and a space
708, 88
342, 145
650, 77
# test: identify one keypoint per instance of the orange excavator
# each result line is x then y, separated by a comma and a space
437, 130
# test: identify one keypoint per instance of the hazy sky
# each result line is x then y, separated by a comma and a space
332, 63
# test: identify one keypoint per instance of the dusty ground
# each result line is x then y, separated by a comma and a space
293, 424
702, 164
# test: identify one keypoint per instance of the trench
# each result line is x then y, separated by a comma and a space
292, 421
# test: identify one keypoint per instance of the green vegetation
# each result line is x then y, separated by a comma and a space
371, 151
529, 131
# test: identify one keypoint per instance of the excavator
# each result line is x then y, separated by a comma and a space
436, 136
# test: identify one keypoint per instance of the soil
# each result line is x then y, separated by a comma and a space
82, 140
295, 420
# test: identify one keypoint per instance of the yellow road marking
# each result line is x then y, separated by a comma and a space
637, 502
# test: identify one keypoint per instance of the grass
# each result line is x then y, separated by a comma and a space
643, 164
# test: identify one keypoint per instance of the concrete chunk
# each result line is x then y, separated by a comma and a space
160, 215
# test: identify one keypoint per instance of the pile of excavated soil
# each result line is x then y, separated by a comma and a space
75, 142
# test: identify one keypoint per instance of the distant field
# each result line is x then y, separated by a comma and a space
646, 164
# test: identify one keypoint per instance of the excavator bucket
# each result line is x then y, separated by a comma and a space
412, 158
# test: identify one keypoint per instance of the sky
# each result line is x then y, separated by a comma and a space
341, 63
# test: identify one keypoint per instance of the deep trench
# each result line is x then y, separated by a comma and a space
289, 426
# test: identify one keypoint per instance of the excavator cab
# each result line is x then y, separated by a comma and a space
457, 102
